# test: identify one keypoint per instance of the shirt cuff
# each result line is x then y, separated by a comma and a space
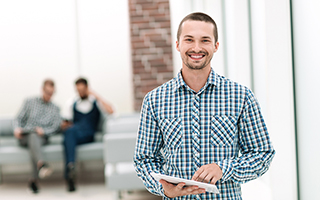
161, 191
158, 188
227, 169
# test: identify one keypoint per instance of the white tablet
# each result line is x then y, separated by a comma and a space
171, 179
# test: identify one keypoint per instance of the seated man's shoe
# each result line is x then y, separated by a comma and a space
71, 187
71, 177
33, 187
44, 171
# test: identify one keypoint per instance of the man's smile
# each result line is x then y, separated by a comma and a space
196, 56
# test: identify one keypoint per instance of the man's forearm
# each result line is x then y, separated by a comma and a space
106, 106
247, 167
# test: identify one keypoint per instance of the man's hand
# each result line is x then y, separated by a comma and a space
65, 125
210, 173
91, 92
40, 131
106, 106
171, 190
18, 133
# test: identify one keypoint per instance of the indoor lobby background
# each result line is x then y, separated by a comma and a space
271, 46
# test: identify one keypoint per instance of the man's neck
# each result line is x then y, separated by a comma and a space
195, 79
43, 99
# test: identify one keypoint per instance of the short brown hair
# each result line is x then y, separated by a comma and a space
81, 80
198, 16
48, 82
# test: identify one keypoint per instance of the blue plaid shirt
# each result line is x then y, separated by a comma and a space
233, 135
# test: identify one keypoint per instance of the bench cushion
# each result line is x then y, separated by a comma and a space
11, 152
6, 126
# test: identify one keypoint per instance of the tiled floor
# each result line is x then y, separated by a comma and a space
91, 185
15, 188
56, 190
95, 190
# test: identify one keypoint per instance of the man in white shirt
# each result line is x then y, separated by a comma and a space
81, 118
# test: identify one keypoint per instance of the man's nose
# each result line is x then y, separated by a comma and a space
197, 46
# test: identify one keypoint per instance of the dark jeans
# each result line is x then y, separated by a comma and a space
74, 136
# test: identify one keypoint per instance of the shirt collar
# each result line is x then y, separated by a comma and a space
212, 80
41, 100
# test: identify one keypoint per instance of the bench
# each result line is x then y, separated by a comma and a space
116, 149
119, 145
12, 153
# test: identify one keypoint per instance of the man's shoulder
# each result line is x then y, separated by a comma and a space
224, 82
55, 106
30, 100
240, 90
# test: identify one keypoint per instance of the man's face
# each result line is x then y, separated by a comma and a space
47, 92
196, 44
82, 90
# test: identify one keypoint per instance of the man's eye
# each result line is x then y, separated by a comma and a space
205, 40
189, 40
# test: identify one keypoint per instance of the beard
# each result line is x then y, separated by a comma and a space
193, 64
83, 97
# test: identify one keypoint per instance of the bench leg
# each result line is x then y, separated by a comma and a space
117, 195
1, 178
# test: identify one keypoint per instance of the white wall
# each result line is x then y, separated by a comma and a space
36, 42
38, 39
105, 50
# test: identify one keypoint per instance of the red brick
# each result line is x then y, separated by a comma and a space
151, 40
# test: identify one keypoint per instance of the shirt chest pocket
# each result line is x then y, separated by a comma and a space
171, 131
223, 130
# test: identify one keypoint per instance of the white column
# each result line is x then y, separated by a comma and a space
236, 41
306, 35
254, 189
259, 50
280, 106
273, 86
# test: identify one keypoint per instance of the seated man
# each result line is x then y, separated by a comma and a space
81, 118
36, 121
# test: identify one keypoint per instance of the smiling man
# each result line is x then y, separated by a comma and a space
200, 125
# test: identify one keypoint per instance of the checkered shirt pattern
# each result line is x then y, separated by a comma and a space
233, 135
35, 112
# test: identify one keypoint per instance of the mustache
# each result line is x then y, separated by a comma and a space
199, 52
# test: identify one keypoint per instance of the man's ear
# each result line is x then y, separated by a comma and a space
216, 47
177, 46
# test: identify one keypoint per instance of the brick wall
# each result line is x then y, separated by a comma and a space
151, 51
